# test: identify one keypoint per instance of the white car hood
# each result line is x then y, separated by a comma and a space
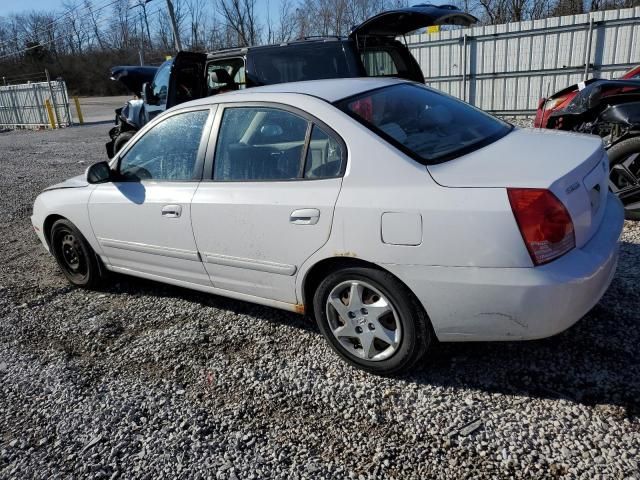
525, 158
73, 182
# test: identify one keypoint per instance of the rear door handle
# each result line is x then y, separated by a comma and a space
305, 216
171, 211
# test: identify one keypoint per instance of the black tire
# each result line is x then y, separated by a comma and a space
75, 257
618, 154
121, 140
415, 327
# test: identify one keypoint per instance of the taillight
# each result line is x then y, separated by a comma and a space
545, 224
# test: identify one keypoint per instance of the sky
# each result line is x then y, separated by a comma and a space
17, 6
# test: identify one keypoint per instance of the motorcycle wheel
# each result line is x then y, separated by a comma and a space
624, 176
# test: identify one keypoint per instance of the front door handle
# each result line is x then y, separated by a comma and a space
305, 216
171, 211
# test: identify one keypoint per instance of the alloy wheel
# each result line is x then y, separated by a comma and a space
363, 320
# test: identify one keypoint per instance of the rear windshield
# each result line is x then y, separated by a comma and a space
294, 63
428, 125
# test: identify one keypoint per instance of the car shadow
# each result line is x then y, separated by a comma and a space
135, 192
597, 361
93, 122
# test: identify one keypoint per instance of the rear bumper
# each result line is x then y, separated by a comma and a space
489, 304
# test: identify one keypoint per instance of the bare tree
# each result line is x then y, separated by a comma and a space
240, 17
286, 22
197, 20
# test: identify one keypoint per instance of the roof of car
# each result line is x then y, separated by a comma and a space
301, 41
330, 90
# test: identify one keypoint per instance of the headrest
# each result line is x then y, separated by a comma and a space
220, 76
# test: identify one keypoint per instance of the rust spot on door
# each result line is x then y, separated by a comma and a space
299, 308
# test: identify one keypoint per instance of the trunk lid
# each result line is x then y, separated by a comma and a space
133, 77
393, 23
573, 166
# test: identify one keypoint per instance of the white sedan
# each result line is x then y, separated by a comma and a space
394, 214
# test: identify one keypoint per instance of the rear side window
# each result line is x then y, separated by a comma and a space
380, 63
233, 80
293, 63
263, 143
427, 125
324, 155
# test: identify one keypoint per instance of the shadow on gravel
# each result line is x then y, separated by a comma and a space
139, 286
597, 361
96, 122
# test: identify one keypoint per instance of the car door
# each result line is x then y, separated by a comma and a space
269, 201
143, 219
155, 94
187, 79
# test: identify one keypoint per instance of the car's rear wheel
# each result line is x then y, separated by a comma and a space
372, 320
74, 255
624, 177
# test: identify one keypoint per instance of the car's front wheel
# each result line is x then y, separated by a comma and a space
372, 320
121, 140
74, 255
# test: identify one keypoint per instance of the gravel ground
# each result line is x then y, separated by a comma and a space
98, 109
142, 380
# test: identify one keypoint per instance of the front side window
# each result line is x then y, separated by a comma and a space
168, 151
264, 143
428, 125
160, 85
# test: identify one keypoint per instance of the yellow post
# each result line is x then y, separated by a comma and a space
79, 110
50, 113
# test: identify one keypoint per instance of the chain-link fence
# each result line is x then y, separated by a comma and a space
34, 105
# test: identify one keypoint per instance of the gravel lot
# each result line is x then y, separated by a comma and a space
142, 380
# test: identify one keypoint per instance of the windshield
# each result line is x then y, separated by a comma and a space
430, 126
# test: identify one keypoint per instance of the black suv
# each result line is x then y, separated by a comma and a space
371, 49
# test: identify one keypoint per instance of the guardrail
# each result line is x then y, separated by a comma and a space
505, 69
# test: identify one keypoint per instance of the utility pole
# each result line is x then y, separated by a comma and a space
174, 26
141, 37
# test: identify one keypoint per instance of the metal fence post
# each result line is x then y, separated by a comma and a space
65, 98
55, 107
587, 50
464, 67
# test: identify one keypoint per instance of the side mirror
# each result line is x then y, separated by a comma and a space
98, 173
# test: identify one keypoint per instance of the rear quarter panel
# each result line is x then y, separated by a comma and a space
461, 226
